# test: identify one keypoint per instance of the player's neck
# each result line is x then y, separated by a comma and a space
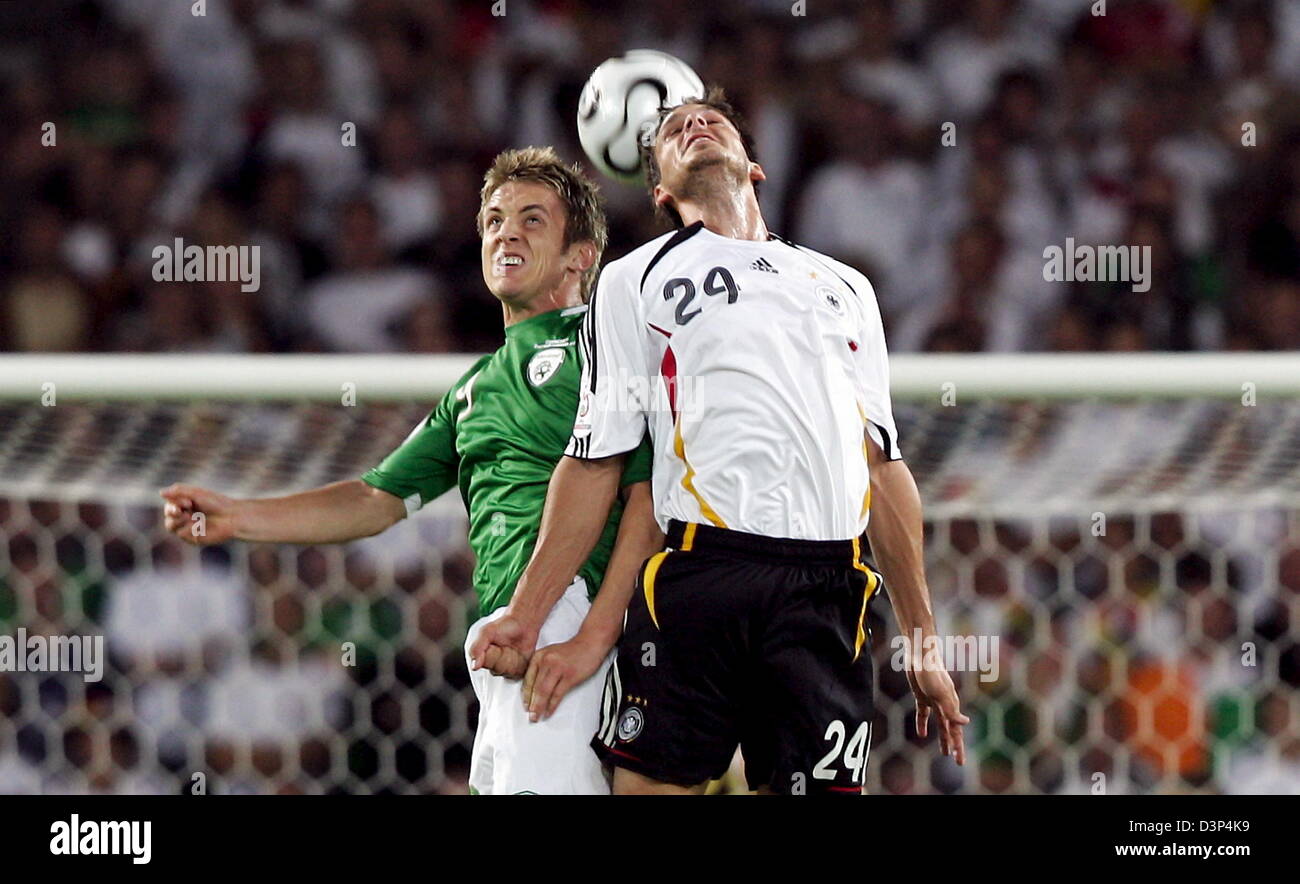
560, 298
726, 212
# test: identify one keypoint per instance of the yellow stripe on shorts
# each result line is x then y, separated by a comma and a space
648, 582
872, 582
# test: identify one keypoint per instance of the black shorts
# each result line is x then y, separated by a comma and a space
736, 639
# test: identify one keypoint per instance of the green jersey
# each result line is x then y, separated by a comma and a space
498, 433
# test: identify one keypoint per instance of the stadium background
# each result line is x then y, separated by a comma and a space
225, 129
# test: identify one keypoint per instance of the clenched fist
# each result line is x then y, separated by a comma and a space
199, 516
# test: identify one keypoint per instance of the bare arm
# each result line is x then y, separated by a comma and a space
554, 669
578, 501
329, 514
895, 531
896, 534
639, 538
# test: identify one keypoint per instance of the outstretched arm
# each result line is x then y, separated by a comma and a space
895, 532
578, 501
554, 669
420, 469
329, 514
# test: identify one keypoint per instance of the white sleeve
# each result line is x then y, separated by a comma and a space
611, 396
873, 375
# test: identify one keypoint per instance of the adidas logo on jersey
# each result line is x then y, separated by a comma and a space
762, 264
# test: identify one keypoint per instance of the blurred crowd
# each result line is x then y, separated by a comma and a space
940, 146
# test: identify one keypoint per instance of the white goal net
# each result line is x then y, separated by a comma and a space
1121, 551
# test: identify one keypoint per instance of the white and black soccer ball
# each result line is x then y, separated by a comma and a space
622, 99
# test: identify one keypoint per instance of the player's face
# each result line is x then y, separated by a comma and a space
694, 138
523, 242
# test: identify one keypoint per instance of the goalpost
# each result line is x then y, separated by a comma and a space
1113, 538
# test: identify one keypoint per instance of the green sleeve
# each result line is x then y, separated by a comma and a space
637, 466
426, 464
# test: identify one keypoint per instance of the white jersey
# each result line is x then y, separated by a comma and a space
756, 365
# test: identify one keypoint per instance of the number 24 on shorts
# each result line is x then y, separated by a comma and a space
855, 752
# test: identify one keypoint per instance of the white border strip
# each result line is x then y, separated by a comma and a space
916, 377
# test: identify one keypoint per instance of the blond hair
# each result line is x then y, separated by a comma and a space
583, 207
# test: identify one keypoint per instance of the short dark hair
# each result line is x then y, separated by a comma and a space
714, 98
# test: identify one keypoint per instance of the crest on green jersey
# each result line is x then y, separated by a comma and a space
544, 364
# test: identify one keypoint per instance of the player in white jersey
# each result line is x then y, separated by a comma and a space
761, 372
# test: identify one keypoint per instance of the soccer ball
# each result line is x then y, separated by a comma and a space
621, 101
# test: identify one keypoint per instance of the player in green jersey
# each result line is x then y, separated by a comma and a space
497, 434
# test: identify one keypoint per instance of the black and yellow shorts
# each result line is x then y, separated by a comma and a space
737, 639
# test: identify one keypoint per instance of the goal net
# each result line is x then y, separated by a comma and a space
1112, 544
